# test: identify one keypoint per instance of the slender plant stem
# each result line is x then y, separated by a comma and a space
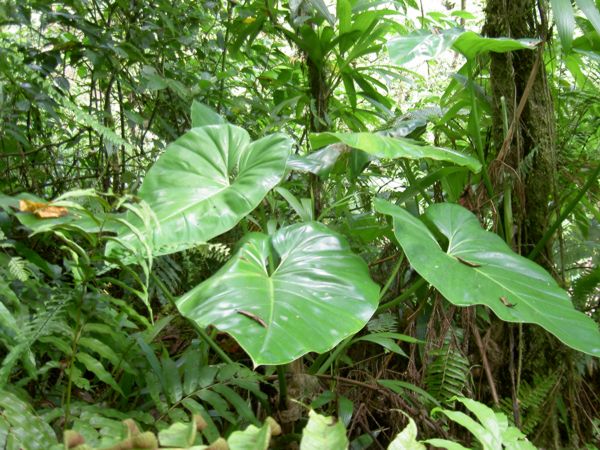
402, 297
391, 277
334, 355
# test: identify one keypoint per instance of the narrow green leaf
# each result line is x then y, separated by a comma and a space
106, 352
173, 387
305, 216
565, 21
385, 342
591, 12
323, 11
240, 405
96, 367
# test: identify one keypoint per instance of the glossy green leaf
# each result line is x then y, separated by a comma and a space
203, 115
314, 293
471, 44
565, 21
323, 433
96, 367
319, 162
388, 147
407, 438
421, 46
206, 182
478, 268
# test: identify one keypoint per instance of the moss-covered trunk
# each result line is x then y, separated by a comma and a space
528, 159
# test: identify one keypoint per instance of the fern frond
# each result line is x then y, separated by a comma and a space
219, 252
448, 373
17, 268
383, 323
531, 401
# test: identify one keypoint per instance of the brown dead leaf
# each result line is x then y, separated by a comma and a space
42, 210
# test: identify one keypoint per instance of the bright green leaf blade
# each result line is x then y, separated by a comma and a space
323, 433
388, 147
494, 423
420, 46
384, 340
318, 294
323, 11
471, 44
407, 438
96, 367
319, 162
203, 115
565, 21
399, 387
206, 182
591, 12
501, 278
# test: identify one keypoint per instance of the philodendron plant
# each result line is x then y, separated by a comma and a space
301, 289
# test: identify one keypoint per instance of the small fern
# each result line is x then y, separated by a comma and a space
17, 267
383, 323
167, 270
218, 252
447, 374
531, 401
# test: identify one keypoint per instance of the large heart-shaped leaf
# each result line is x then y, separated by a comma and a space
478, 268
281, 296
206, 182
388, 147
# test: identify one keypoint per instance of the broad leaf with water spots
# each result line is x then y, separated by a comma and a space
476, 267
206, 182
299, 290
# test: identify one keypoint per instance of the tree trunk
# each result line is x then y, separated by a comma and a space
528, 160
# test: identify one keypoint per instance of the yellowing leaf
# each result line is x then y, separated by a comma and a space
42, 210
249, 20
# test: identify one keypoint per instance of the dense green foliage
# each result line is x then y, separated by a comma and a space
218, 218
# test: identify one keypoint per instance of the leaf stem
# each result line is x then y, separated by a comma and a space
392, 276
402, 297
